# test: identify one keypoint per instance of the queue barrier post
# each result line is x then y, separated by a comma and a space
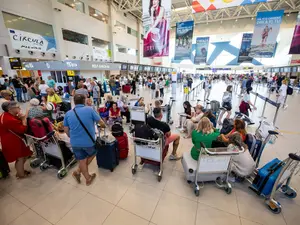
276, 114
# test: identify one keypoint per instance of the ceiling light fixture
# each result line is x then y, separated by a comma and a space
252, 18
288, 14
236, 20
95, 14
221, 21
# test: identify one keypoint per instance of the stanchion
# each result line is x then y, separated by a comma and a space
193, 94
264, 108
276, 114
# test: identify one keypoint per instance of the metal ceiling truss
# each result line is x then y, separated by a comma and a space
182, 10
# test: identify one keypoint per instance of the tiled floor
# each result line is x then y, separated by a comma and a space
122, 198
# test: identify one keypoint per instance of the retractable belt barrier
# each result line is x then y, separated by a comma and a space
267, 100
193, 92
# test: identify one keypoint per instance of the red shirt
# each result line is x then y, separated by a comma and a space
242, 135
113, 112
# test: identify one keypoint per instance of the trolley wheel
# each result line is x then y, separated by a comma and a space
288, 191
228, 190
112, 170
133, 168
43, 166
34, 164
61, 173
274, 206
159, 177
197, 190
189, 182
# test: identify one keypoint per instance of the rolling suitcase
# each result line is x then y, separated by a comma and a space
108, 155
266, 177
123, 146
126, 88
156, 93
4, 167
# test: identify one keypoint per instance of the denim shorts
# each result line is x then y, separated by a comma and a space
82, 153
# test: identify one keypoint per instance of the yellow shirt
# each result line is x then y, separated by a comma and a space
54, 99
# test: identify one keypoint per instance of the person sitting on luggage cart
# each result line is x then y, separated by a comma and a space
140, 102
114, 114
192, 122
155, 122
79, 124
122, 104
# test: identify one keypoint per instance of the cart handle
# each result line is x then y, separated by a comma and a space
144, 140
220, 153
42, 138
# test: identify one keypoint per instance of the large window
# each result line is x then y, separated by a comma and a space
132, 51
98, 15
75, 37
132, 32
121, 48
28, 25
119, 24
74, 4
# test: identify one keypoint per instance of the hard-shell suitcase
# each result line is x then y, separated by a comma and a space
266, 177
4, 167
123, 146
126, 88
108, 155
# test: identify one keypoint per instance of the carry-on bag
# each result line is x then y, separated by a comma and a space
266, 177
39, 127
117, 129
156, 93
123, 146
108, 155
4, 167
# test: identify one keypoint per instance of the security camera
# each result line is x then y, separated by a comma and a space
43, 53
74, 57
53, 55
17, 51
57, 9
30, 52
81, 58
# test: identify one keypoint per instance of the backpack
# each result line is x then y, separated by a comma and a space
65, 106
153, 86
289, 90
144, 131
39, 127
117, 129
227, 126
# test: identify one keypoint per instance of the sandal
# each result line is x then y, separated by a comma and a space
26, 174
76, 176
92, 178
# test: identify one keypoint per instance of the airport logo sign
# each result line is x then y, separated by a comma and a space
33, 42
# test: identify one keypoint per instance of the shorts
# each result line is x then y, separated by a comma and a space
170, 139
82, 153
227, 106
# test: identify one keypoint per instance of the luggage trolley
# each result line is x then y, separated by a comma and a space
55, 154
137, 115
213, 165
150, 150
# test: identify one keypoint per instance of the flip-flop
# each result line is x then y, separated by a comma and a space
90, 181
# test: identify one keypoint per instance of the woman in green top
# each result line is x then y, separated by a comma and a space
205, 133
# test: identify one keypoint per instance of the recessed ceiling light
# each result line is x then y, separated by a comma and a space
236, 20
252, 18
95, 14
8, 21
288, 14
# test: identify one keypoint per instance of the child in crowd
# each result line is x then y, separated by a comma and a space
62, 136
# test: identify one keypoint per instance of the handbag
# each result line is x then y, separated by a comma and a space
97, 142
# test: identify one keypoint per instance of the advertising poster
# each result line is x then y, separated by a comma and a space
265, 33
205, 5
245, 48
32, 42
156, 23
295, 45
183, 41
201, 50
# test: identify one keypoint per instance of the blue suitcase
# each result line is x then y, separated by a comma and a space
266, 177
108, 156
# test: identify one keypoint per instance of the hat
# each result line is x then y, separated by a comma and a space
34, 102
50, 106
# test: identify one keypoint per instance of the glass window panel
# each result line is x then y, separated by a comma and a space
53, 75
75, 37
28, 25
74, 4
120, 24
64, 75
98, 15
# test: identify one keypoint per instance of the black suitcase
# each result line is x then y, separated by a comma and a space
108, 155
4, 167
156, 93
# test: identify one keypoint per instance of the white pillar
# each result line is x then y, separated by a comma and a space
111, 30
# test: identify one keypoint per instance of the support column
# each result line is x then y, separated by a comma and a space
111, 29
138, 41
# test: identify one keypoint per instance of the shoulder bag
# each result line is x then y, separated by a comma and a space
97, 142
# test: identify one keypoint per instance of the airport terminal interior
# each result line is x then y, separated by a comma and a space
193, 104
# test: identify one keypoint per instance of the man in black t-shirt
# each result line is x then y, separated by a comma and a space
155, 122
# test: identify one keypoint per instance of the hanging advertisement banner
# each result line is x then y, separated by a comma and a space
206, 5
33, 42
245, 48
295, 45
184, 37
201, 50
265, 33
156, 23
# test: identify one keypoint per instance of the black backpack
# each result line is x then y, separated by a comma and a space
227, 126
289, 90
117, 129
65, 106
153, 86
144, 131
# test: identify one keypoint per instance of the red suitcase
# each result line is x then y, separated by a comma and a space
126, 88
123, 145
147, 161
39, 127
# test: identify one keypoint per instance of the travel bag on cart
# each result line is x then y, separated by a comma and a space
39, 127
123, 146
4, 167
266, 177
108, 154
117, 129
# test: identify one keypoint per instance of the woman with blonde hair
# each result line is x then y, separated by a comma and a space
191, 123
53, 97
205, 133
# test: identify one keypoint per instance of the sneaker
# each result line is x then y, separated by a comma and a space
174, 157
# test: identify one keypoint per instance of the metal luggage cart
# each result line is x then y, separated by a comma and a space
243, 117
137, 115
52, 151
282, 183
215, 162
149, 149
132, 102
